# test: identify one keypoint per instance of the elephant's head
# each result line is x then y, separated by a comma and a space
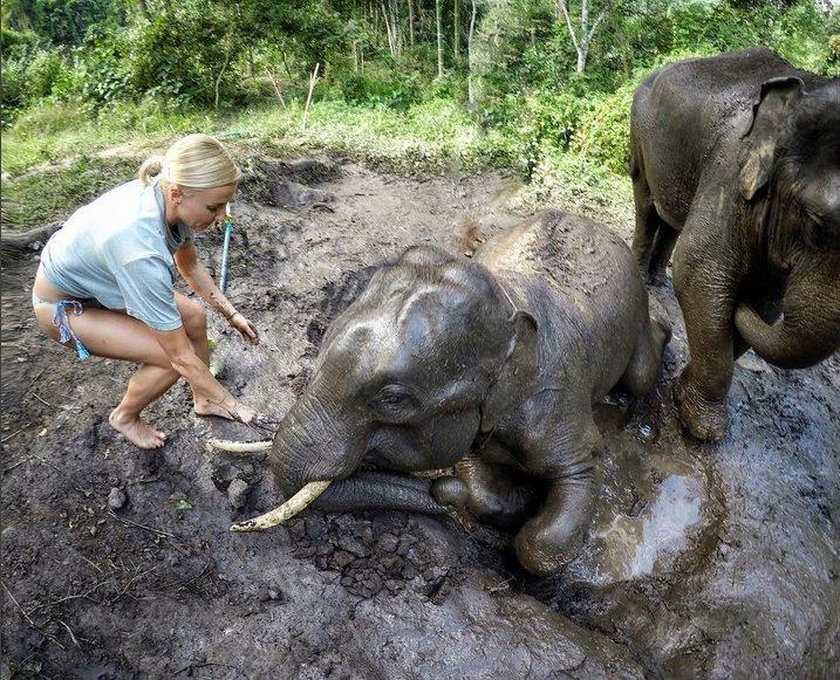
430, 353
790, 168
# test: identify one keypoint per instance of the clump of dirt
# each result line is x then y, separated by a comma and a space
703, 560
289, 185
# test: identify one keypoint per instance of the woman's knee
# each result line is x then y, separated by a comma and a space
44, 318
194, 317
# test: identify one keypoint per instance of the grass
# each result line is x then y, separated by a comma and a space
57, 158
52, 194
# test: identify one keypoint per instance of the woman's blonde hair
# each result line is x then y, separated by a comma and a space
194, 162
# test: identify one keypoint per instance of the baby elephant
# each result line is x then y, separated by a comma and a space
504, 356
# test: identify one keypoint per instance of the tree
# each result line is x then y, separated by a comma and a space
439, 38
581, 36
471, 75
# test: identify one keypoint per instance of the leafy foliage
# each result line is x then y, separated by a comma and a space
77, 72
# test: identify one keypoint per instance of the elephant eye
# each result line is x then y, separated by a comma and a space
393, 401
815, 233
816, 219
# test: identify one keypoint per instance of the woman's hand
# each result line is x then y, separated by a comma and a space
246, 328
240, 411
250, 416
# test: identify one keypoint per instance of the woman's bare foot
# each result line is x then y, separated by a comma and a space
136, 430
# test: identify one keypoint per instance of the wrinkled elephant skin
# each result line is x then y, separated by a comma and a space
503, 356
736, 159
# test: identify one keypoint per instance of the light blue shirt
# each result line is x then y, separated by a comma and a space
118, 250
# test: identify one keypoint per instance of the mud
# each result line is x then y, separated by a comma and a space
704, 561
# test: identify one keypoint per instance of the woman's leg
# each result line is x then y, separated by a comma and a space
114, 334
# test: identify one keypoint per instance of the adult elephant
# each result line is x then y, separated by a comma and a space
737, 158
502, 356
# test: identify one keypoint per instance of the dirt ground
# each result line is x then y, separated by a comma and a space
704, 561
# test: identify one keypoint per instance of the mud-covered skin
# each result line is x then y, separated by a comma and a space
507, 353
739, 155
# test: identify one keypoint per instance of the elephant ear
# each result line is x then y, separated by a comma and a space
518, 374
759, 144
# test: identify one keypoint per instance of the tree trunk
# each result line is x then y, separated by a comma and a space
219, 78
456, 38
411, 22
439, 38
582, 37
392, 38
395, 22
472, 95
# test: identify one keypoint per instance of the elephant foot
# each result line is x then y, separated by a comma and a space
502, 505
450, 491
544, 549
703, 419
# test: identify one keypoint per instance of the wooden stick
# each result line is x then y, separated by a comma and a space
312, 80
20, 609
9, 436
142, 526
277, 90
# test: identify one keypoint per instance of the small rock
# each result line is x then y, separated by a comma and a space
341, 559
367, 536
237, 493
117, 498
315, 527
269, 593
388, 542
405, 543
353, 546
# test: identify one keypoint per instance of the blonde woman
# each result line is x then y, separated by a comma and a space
105, 283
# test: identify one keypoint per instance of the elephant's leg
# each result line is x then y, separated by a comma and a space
648, 223
553, 537
643, 368
660, 252
705, 292
495, 494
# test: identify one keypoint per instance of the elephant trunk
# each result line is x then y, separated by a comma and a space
380, 490
809, 330
310, 445
315, 463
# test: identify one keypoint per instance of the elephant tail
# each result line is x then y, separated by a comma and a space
632, 167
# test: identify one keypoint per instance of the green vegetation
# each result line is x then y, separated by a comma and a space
89, 87
45, 196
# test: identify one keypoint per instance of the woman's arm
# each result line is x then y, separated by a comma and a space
200, 281
188, 364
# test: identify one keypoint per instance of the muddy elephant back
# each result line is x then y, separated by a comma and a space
575, 253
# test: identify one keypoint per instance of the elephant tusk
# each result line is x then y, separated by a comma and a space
289, 509
239, 447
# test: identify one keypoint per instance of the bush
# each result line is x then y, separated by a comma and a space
801, 36
380, 85
603, 135
101, 71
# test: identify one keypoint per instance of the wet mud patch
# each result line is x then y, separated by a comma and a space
290, 184
702, 561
